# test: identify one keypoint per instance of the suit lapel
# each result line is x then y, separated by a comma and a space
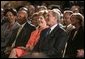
53, 33
22, 32
49, 39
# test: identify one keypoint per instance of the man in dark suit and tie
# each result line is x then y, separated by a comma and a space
21, 35
25, 31
50, 45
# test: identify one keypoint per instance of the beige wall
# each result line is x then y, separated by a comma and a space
3, 3
14, 3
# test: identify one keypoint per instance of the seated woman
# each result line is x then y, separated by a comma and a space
8, 28
75, 47
38, 19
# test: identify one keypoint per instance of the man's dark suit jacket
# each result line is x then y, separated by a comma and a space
53, 44
76, 43
23, 35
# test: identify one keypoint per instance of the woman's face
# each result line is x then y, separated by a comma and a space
10, 16
73, 20
41, 21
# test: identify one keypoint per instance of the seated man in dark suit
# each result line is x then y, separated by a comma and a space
21, 35
50, 44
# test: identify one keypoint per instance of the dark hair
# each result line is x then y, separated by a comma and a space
11, 10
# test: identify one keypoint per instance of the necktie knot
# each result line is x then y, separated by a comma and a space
48, 31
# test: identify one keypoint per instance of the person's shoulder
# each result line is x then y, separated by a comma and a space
61, 30
29, 26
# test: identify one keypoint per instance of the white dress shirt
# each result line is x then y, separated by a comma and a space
53, 27
19, 30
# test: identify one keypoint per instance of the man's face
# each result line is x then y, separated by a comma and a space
21, 18
66, 19
51, 19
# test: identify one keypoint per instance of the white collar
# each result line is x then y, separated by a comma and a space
53, 27
21, 25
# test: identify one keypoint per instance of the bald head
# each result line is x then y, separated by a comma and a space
22, 16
